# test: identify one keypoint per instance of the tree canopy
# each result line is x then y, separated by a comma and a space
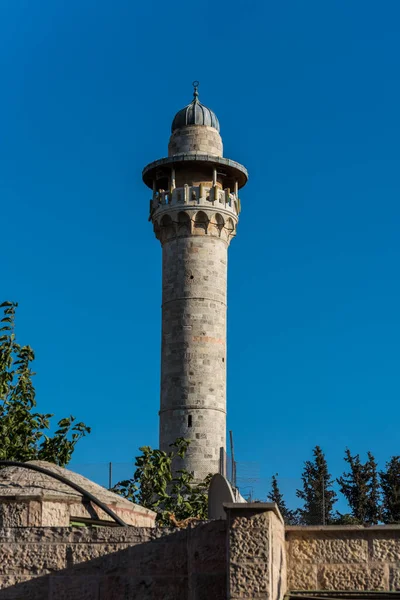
173, 495
24, 432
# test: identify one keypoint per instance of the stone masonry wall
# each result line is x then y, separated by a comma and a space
343, 558
195, 139
113, 563
193, 377
256, 552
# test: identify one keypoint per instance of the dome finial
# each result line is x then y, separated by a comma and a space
195, 84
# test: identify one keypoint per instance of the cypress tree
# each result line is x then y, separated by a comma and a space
275, 495
390, 484
360, 487
317, 493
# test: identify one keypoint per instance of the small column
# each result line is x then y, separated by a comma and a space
256, 551
214, 176
154, 189
173, 179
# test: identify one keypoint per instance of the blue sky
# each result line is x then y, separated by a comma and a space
308, 96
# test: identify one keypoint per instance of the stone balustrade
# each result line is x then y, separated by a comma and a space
196, 195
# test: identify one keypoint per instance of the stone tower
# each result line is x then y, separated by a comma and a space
194, 211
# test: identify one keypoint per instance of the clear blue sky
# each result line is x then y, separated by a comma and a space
308, 97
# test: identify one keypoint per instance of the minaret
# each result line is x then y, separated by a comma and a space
194, 210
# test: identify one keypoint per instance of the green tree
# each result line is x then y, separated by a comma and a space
23, 431
275, 495
390, 485
360, 487
316, 493
174, 496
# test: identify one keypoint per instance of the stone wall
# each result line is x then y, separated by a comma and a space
343, 558
256, 552
195, 138
113, 563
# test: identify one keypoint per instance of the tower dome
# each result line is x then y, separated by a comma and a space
195, 113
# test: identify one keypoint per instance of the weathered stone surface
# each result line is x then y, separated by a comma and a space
302, 577
329, 550
195, 138
24, 587
145, 588
31, 558
384, 549
97, 557
394, 578
352, 577
13, 514
245, 518
249, 544
73, 587
208, 586
207, 548
55, 512
249, 579
85, 563
278, 558
32, 498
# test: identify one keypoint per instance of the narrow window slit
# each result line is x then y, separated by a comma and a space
189, 420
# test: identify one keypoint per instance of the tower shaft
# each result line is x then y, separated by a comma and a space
193, 358
194, 210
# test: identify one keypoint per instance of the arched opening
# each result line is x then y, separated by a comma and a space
201, 223
184, 224
167, 228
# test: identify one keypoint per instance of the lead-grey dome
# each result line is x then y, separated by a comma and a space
195, 113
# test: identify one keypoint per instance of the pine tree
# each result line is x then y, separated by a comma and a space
275, 495
360, 486
390, 484
317, 493
374, 495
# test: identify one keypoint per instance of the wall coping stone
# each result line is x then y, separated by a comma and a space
258, 506
365, 528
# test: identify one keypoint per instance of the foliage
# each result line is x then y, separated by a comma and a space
390, 485
171, 494
275, 495
360, 486
22, 430
317, 493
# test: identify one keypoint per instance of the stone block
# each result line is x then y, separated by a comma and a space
73, 587
394, 578
55, 513
329, 550
249, 543
160, 557
13, 514
249, 579
386, 549
207, 548
146, 588
31, 558
24, 587
302, 577
352, 577
208, 586
97, 558
247, 518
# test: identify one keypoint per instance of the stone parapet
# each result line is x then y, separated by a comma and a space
256, 552
343, 558
50, 563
